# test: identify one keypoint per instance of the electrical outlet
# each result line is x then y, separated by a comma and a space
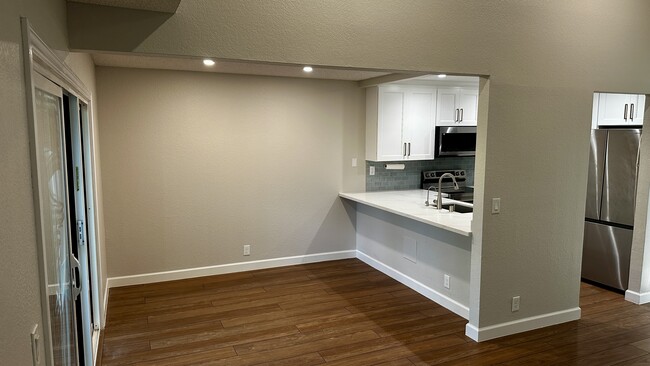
496, 205
247, 250
354, 162
372, 170
447, 281
515, 304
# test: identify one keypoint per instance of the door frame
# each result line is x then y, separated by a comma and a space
39, 58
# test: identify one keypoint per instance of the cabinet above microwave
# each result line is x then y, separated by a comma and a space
457, 107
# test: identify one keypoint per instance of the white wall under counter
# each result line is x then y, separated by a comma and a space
402, 244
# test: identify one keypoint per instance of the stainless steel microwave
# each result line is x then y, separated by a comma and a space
455, 141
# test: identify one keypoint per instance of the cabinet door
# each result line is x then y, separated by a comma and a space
418, 126
637, 109
614, 109
468, 105
389, 130
447, 113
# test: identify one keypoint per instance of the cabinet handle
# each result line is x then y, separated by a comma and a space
461, 115
625, 113
632, 112
405, 149
409, 149
456, 115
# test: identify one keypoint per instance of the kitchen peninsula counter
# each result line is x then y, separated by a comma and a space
410, 204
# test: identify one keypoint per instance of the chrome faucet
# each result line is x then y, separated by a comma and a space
439, 199
426, 203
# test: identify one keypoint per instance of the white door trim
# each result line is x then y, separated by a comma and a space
38, 58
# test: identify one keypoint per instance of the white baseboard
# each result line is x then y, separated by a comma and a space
102, 323
419, 287
226, 268
521, 325
638, 298
103, 317
95, 339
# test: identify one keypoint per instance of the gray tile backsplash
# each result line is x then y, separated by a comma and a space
409, 178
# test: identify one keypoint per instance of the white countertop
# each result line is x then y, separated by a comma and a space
411, 204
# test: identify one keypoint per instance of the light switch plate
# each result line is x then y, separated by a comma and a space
372, 170
496, 205
354, 162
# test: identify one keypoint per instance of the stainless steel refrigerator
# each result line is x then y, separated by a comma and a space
609, 216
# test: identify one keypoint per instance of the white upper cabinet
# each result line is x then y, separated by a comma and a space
457, 106
447, 107
619, 109
419, 123
468, 106
390, 127
400, 123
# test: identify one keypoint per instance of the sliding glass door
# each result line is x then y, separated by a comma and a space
73, 109
54, 224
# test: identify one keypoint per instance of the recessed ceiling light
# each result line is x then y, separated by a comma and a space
208, 62
307, 69
442, 76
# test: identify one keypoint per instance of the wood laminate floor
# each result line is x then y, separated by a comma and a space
345, 313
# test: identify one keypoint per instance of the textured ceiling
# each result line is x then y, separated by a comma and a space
166, 6
229, 67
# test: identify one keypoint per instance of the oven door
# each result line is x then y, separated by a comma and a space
456, 141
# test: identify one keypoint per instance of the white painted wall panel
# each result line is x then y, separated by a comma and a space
381, 236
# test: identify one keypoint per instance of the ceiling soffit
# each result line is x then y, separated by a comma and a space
164, 6
230, 67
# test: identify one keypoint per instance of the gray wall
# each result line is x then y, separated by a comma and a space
19, 283
198, 164
544, 60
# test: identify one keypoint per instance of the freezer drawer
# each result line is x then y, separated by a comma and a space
606, 255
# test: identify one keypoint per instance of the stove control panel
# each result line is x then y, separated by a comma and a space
431, 177
435, 174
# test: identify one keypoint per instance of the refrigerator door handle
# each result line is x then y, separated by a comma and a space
638, 155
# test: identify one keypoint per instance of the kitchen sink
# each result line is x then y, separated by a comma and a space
458, 208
